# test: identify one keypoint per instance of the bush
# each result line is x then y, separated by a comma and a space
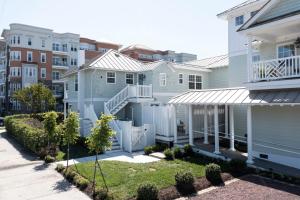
177, 152
184, 182
49, 159
213, 173
169, 154
237, 166
70, 174
60, 168
148, 150
188, 150
80, 182
160, 147
101, 194
147, 191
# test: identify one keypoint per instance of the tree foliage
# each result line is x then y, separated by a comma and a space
50, 126
99, 140
37, 98
71, 128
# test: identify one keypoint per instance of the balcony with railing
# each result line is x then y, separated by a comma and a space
59, 64
59, 49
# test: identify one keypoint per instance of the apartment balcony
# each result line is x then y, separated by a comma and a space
60, 50
60, 65
57, 93
275, 73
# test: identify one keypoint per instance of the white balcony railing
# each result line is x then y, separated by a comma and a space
276, 69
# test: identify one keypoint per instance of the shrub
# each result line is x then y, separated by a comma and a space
70, 174
184, 182
213, 173
60, 168
188, 150
147, 191
177, 152
80, 182
49, 159
169, 154
148, 150
101, 194
160, 147
237, 166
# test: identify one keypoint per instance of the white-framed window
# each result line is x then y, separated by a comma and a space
239, 20
286, 50
76, 83
195, 82
73, 47
129, 78
73, 61
15, 55
43, 57
15, 86
29, 56
43, 43
15, 71
29, 41
256, 58
16, 39
19, 39
162, 79
43, 72
30, 72
180, 78
55, 75
110, 77
55, 47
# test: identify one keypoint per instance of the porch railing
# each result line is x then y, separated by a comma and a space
276, 69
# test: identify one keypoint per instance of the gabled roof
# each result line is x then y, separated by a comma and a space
137, 46
212, 62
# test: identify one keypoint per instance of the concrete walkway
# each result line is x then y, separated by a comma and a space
23, 177
137, 157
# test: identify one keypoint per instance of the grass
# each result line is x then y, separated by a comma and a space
124, 178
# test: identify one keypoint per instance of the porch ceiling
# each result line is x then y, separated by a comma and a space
238, 96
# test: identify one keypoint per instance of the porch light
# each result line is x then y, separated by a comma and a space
297, 42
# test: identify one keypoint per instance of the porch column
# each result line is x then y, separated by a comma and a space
226, 121
191, 136
174, 123
205, 126
216, 123
231, 115
249, 135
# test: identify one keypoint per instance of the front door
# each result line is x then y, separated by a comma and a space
141, 79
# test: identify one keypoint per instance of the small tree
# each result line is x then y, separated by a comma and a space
100, 140
70, 132
36, 98
50, 127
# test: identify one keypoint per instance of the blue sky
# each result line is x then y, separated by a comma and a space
181, 25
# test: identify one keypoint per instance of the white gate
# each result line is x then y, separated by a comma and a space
163, 120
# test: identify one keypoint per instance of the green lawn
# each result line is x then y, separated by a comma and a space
124, 178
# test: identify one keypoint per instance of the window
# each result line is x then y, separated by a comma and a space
73, 61
14, 39
15, 71
195, 82
256, 58
129, 78
73, 47
55, 47
43, 72
43, 43
29, 42
239, 20
55, 75
30, 72
29, 56
65, 47
110, 77
254, 13
162, 79
76, 83
287, 50
43, 57
15, 55
180, 78
19, 39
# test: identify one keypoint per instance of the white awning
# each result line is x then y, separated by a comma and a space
238, 96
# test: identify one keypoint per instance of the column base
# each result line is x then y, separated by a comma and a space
217, 152
232, 149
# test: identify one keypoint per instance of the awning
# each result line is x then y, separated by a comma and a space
238, 96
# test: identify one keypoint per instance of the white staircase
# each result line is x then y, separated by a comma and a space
120, 100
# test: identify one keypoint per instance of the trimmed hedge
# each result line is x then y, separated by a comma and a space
147, 191
169, 154
213, 173
27, 131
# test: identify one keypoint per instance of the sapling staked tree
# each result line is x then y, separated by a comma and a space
50, 127
100, 140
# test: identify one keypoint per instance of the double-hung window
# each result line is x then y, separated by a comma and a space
43, 57
55, 75
180, 78
15, 71
29, 42
239, 20
286, 50
43, 72
29, 56
76, 83
73, 61
195, 82
15, 55
162, 79
129, 79
110, 77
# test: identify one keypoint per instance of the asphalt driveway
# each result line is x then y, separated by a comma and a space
23, 177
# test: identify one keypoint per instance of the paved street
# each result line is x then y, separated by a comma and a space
23, 177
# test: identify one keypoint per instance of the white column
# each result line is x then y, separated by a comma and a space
226, 121
191, 136
216, 123
231, 115
205, 126
174, 123
249, 135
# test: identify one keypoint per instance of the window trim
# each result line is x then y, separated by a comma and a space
129, 79
54, 71
180, 79
42, 57
283, 44
29, 52
115, 78
240, 16
42, 69
195, 82
160, 79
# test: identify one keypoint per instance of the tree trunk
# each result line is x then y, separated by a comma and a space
68, 153
94, 179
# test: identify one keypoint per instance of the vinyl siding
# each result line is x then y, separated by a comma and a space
237, 72
282, 8
218, 78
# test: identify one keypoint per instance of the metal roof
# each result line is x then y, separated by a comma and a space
212, 62
238, 96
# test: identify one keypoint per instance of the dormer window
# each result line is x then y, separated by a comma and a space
239, 20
